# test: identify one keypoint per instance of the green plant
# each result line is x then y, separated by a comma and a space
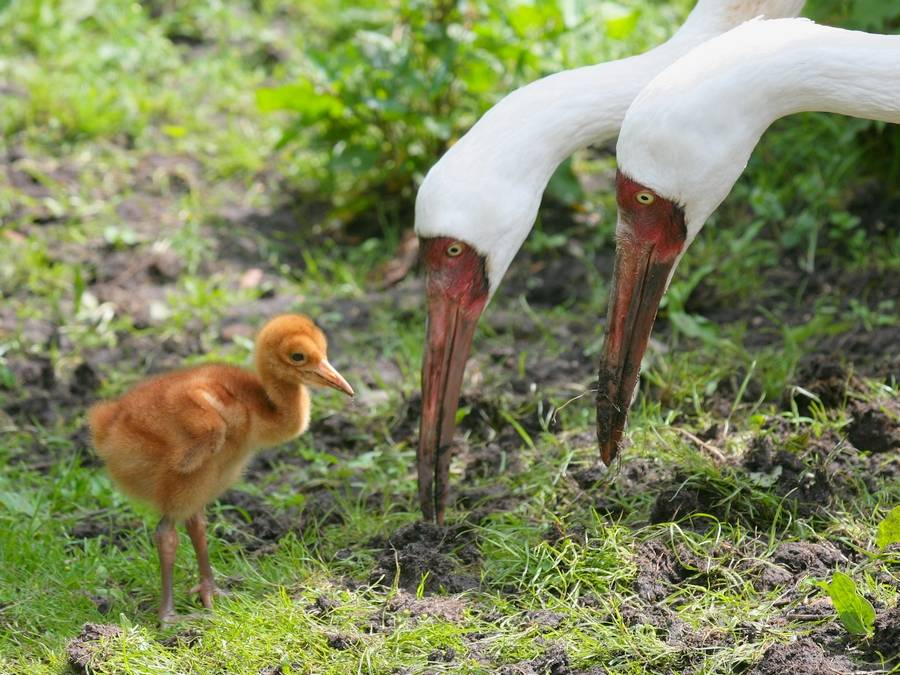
889, 529
854, 611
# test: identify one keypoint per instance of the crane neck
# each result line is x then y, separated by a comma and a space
845, 72
528, 134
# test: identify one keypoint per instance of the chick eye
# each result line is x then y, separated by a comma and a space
645, 197
298, 357
454, 249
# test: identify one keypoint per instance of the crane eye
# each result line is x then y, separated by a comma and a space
454, 249
298, 357
645, 197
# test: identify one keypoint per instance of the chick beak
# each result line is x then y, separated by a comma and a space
332, 378
640, 278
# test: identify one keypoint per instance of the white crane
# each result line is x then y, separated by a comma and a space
687, 138
479, 202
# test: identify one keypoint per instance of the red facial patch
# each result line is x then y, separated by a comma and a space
455, 271
652, 218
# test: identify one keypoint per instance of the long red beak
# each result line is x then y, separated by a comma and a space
640, 278
450, 330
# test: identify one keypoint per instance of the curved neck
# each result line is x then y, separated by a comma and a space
845, 72
529, 133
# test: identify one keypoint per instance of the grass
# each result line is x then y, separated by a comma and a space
132, 135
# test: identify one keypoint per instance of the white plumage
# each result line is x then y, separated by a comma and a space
689, 135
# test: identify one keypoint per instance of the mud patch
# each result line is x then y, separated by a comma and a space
617, 491
887, 636
423, 550
555, 661
660, 569
406, 605
875, 429
89, 648
802, 657
253, 524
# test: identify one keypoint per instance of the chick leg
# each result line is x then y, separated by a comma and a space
196, 528
166, 545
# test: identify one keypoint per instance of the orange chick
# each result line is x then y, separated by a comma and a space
179, 440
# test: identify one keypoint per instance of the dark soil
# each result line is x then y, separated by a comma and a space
660, 569
249, 521
802, 657
445, 555
887, 636
617, 492
87, 649
875, 429
808, 474
555, 661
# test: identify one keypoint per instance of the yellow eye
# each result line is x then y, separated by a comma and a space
645, 197
454, 249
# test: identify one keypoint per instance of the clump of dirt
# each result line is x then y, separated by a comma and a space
615, 489
808, 558
886, 640
490, 460
660, 568
341, 641
280, 669
873, 353
255, 525
88, 648
425, 550
669, 625
545, 618
825, 377
187, 637
445, 655
801, 657
555, 661
447, 608
875, 430
684, 496
794, 561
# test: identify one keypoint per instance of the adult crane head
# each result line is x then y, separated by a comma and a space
685, 141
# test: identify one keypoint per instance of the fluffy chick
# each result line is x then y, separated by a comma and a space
178, 440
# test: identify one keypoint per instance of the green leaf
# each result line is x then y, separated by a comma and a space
889, 529
300, 97
17, 502
620, 21
854, 611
